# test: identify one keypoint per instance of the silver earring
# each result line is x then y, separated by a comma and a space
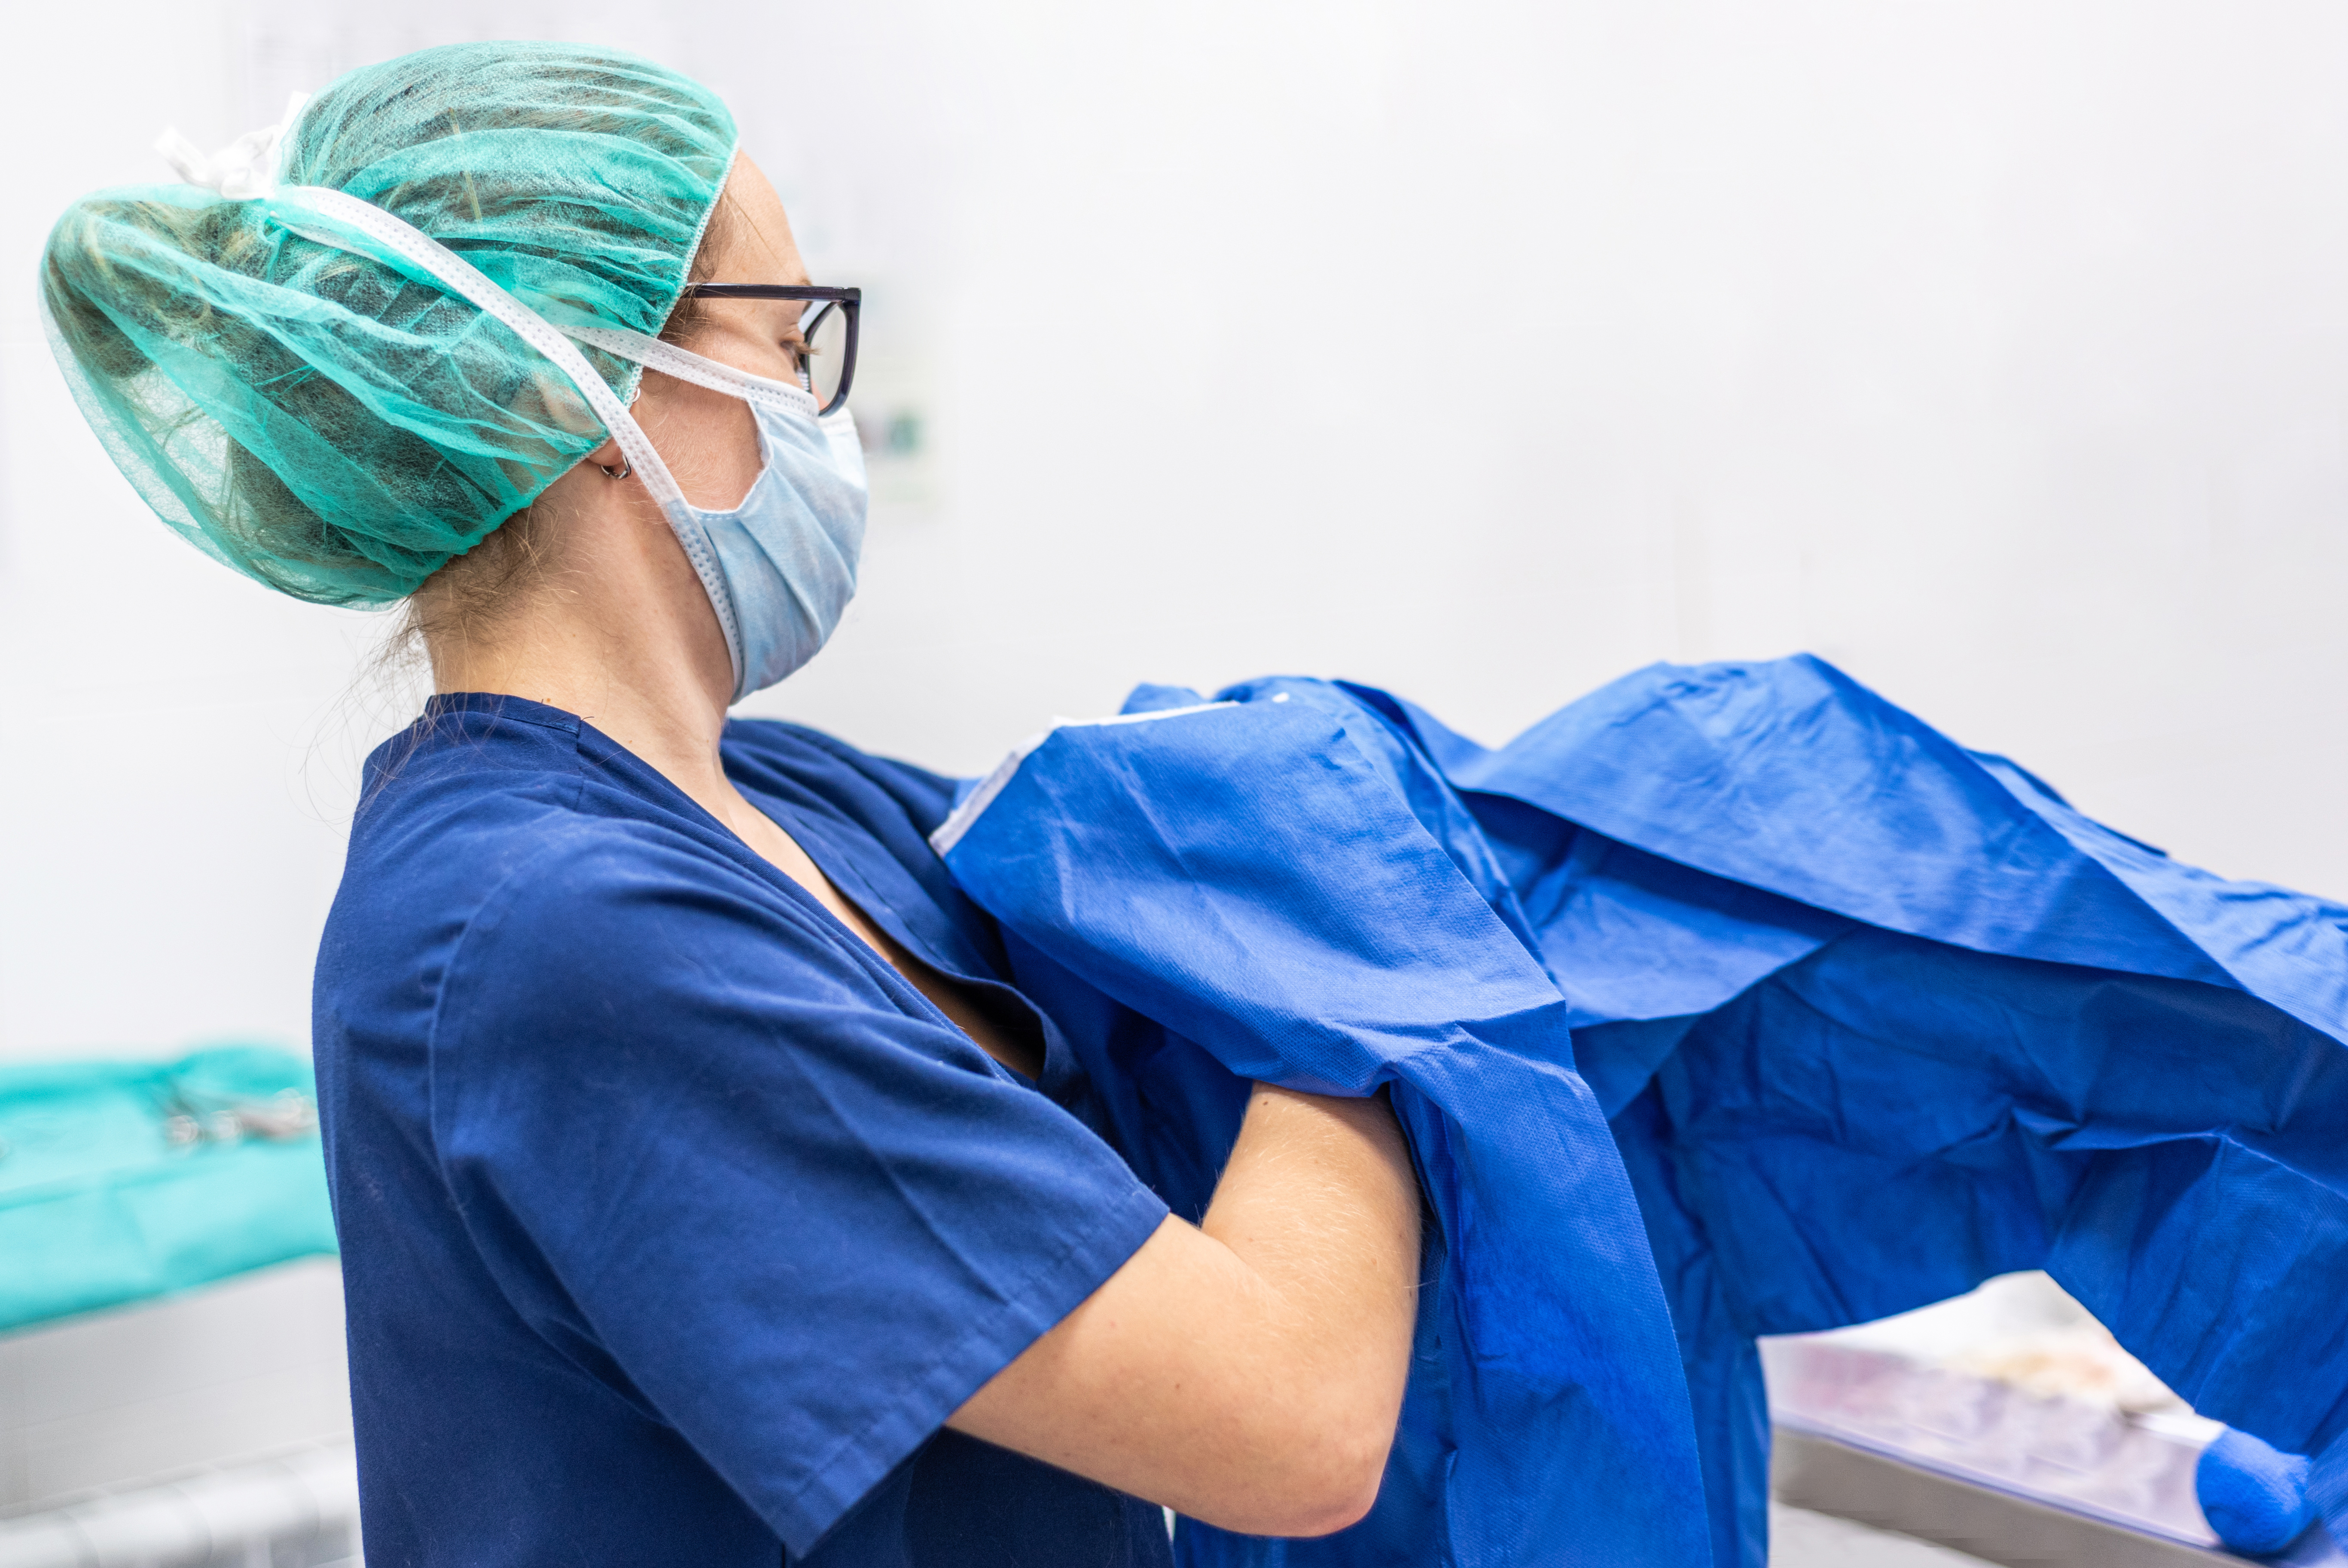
622, 471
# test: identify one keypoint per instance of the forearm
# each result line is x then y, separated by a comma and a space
1319, 1201
1249, 1372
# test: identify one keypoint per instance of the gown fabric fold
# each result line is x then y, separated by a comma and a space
1868, 1018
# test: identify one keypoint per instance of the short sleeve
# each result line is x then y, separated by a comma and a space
725, 1161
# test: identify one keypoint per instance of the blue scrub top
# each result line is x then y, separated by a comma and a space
674, 1221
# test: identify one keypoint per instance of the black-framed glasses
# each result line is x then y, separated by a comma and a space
828, 366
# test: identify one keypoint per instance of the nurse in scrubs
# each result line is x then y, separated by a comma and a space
705, 1194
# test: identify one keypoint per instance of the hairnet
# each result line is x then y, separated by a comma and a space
337, 427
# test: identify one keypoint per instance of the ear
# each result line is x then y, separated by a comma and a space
607, 456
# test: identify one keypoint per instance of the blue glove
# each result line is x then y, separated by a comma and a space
2254, 1497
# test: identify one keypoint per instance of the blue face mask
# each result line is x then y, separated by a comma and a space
781, 567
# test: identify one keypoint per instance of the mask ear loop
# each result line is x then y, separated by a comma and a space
460, 277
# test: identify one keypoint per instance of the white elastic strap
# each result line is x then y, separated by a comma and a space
669, 360
463, 278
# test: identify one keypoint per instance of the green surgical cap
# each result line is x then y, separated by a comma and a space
330, 426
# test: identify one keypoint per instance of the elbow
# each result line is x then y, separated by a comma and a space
1336, 1500
1322, 1478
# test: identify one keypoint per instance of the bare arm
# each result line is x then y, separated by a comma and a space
1249, 1371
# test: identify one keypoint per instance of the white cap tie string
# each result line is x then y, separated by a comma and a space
243, 170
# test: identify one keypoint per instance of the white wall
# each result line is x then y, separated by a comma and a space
1998, 351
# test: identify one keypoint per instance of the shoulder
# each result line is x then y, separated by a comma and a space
499, 865
634, 918
498, 800
616, 968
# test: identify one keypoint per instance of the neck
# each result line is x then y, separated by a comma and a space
618, 631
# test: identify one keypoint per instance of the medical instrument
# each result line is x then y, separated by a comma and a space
132, 1179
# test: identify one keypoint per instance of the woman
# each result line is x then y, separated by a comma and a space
702, 1187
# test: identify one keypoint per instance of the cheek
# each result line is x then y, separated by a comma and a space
710, 442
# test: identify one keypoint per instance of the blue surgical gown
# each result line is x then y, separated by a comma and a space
673, 1222
1871, 1017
